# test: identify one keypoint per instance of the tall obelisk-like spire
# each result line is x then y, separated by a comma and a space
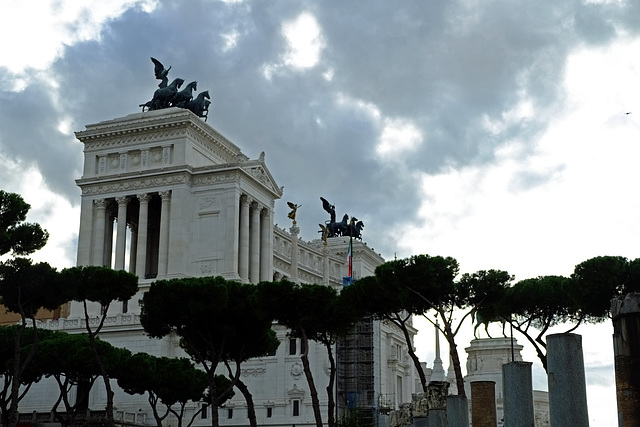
438, 370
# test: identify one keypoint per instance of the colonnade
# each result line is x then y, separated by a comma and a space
255, 245
149, 244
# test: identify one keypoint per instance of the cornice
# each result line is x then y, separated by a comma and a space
158, 125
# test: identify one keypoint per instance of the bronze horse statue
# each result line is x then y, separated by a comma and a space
163, 96
478, 318
181, 98
354, 229
338, 228
199, 106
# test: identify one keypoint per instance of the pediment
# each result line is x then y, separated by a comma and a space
259, 171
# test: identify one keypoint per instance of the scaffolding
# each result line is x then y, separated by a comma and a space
356, 374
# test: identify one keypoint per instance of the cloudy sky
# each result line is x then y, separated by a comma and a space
503, 133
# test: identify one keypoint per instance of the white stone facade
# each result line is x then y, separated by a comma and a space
164, 195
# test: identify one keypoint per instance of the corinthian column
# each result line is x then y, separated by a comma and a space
121, 232
265, 245
143, 223
99, 230
243, 258
163, 250
254, 264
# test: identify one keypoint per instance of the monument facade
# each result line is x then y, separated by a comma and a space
164, 195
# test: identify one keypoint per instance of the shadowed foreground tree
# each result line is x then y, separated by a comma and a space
172, 382
17, 236
28, 376
102, 286
422, 283
70, 361
311, 312
25, 288
532, 306
215, 316
384, 297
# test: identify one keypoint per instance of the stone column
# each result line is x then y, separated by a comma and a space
254, 244
566, 379
457, 411
133, 245
437, 402
108, 243
121, 236
143, 225
243, 259
265, 240
163, 250
325, 265
483, 404
517, 391
294, 253
626, 351
99, 230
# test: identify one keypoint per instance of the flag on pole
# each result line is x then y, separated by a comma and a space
349, 256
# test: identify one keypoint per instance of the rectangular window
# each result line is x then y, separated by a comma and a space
125, 306
229, 413
203, 414
296, 408
292, 347
302, 347
269, 412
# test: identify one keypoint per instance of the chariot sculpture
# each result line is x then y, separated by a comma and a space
168, 94
333, 228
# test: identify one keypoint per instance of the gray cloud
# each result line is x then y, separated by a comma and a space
440, 65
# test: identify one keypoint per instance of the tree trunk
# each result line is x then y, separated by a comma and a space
103, 371
331, 404
416, 362
312, 386
455, 359
251, 409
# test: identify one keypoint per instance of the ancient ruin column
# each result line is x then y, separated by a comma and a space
143, 224
294, 253
437, 403
243, 259
566, 379
265, 245
517, 392
254, 244
626, 350
457, 410
163, 249
121, 236
483, 404
99, 230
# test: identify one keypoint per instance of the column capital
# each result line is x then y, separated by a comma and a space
123, 200
165, 195
144, 198
101, 203
265, 212
254, 205
244, 199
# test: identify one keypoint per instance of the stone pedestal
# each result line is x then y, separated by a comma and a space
517, 386
626, 348
483, 404
567, 385
457, 411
